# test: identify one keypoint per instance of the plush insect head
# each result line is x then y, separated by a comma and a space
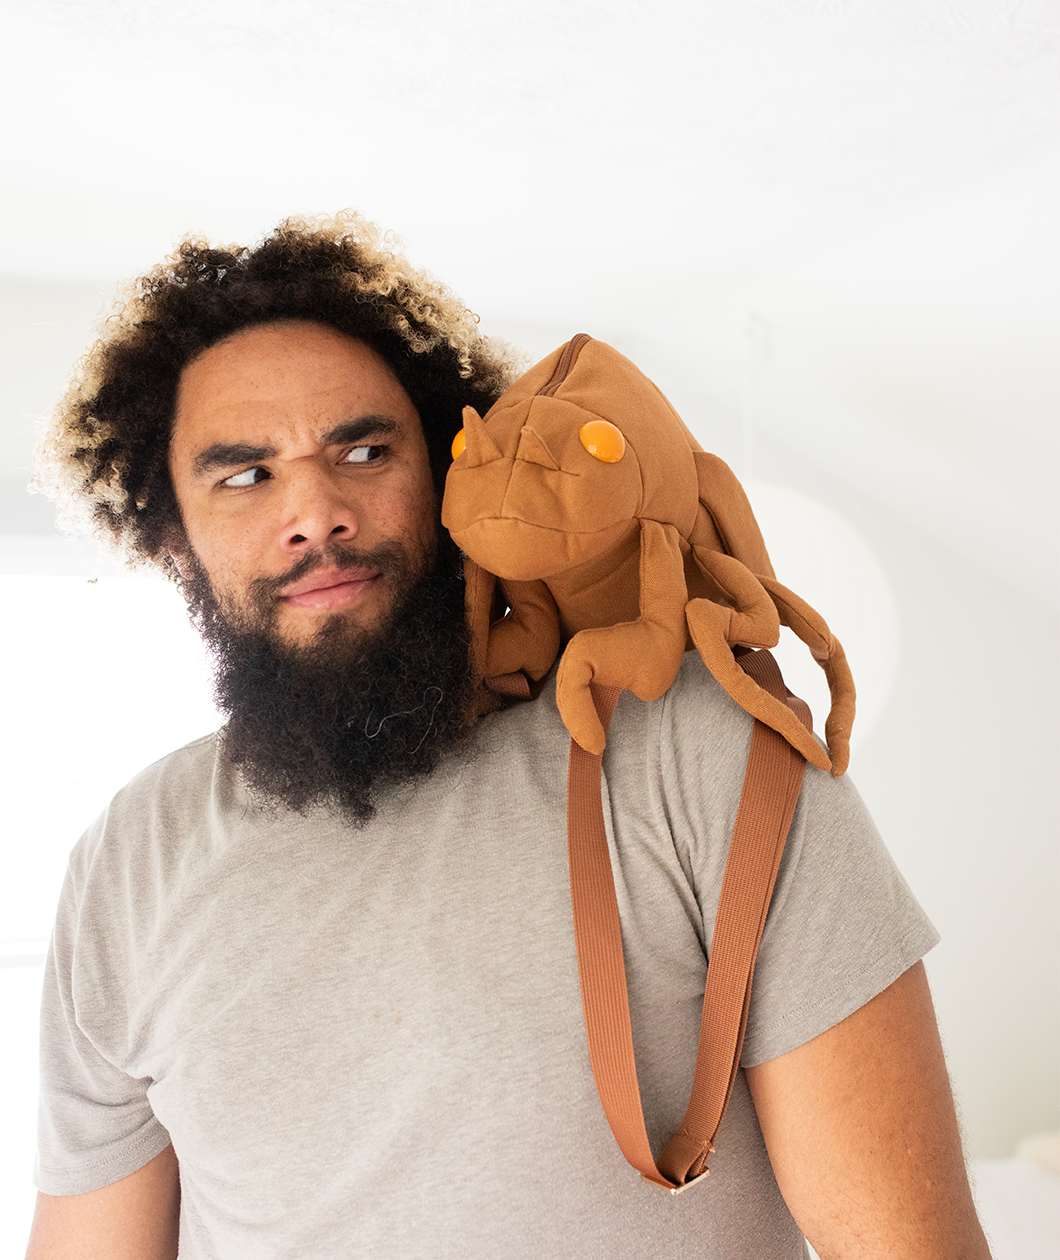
546, 482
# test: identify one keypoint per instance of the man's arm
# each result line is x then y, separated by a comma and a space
863, 1138
134, 1219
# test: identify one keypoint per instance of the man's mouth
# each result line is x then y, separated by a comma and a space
329, 588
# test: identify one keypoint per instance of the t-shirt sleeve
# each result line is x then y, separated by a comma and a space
843, 924
95, 1122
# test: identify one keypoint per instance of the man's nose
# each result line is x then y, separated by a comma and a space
316, 511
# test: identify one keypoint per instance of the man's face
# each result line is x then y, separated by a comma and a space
296, 453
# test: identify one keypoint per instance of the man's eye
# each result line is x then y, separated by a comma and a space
364, 455
249, 477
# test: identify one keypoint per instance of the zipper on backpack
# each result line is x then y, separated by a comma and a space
567, 360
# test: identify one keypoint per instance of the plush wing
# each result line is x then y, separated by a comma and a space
726, 521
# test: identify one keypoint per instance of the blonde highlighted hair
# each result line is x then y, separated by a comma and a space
105, 455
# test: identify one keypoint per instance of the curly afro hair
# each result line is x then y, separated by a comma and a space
105, 455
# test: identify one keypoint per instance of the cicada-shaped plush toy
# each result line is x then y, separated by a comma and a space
597, 530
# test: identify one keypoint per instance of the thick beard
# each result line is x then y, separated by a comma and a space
338, 720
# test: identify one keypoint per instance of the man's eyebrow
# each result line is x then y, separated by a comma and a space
229, 454
359, 429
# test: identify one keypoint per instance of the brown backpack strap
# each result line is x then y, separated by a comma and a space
770, 791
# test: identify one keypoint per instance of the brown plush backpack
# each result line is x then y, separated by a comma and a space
599, 533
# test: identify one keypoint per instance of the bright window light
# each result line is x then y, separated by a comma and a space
101, 677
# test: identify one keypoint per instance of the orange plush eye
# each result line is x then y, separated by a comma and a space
603, 440
459, 442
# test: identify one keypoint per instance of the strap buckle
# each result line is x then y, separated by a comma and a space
678, 1189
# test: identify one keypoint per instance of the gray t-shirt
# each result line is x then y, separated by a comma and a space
369, 1043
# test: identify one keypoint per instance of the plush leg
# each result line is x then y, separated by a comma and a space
714, 628
827, 651
527, 638
752, 620
643, 655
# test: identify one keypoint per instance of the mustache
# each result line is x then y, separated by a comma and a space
389, 558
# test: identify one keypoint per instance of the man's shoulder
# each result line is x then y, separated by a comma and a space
695, 685
173, 791
694, 713
176, 772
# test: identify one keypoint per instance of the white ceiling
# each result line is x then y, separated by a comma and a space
876, 182
538, 137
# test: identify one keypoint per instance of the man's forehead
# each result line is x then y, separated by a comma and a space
289, 354
267, 384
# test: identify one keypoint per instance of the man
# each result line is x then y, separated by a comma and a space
312, 990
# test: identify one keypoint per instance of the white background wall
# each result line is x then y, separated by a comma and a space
827, 230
